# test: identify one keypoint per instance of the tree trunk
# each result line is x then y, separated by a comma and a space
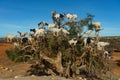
56, 62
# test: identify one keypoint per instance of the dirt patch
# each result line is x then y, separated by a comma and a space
9, 68
116, 56
116, 64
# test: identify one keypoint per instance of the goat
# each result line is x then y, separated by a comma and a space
59, 16
107, 54
39, 32
24, 40
72, 42
42, 24
27, 40
65, 31
51, 25
101, 45
10, 37
22, 34
74, 17
71, 16
56, 31
33, 30
96, 24
88, 41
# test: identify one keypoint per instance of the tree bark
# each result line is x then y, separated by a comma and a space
56, 62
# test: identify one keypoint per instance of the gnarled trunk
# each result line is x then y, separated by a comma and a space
56, 62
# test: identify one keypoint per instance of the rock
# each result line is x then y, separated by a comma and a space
6, 69
80, 78
1, 67
16, 77
11, 70
84, 79
52, 78
33, 75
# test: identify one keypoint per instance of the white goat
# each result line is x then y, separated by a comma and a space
88, 41
42, 24
10, 37
101, 45
51, 25
65, 32
73, 42
39, 32
74, 17
59, 16
56, 31
96, 24
71, 16
107, 54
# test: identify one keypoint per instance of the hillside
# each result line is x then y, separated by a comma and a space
114, 42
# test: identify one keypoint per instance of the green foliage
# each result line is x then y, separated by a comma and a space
14, 55
78, 49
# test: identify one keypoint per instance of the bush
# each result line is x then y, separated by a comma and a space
14, 55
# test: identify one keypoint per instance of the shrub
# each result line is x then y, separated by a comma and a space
14, 55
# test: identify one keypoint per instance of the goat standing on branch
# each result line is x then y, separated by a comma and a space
42, 24
59, 16
73, 42
101, 45
56, 31
88, 41
97, 26
39, 32
65, 32
71, 17
51, 25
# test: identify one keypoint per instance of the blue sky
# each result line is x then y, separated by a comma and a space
25, 14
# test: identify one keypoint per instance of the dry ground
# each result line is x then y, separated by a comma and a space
13, 68
9, 69
116, 59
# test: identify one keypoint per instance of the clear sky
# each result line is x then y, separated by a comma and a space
21, 15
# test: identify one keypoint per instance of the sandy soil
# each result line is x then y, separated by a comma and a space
9, 69
116, 66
